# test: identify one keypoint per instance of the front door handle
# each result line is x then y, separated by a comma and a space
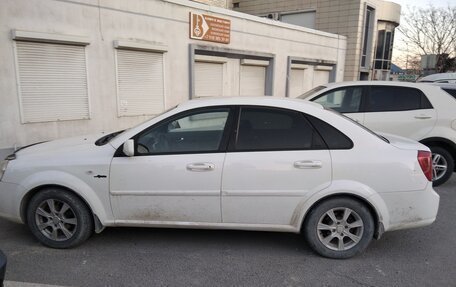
201, 166
305, 164
423, 117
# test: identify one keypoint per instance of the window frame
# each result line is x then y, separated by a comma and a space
223, 141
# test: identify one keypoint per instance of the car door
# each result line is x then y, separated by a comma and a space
275, 160
175, 175
346, 100
398, 110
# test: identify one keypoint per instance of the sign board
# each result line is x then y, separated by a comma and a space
407, 78
209, 28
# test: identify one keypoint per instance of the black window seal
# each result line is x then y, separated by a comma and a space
223, 142
309, 119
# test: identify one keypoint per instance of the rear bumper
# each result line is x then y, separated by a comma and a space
411, 209
2, 267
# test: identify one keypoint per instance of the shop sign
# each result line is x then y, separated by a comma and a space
210, 28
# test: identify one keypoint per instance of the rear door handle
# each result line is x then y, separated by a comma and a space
423, 117
306, 164
201, 166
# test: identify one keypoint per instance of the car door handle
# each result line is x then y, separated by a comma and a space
308, 164
201, 166
423, 117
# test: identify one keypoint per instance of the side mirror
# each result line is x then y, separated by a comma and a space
129, 148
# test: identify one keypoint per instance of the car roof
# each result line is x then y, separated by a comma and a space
450, 86
375, 83
256, 101
438, 77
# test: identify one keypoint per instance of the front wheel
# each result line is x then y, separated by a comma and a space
442, 165
339, 228
59, 219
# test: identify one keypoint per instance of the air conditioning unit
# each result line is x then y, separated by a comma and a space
273, 16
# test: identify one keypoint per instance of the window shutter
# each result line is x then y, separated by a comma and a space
53, 82
321, 77
208, 79
140, 82
297, 86
252, 81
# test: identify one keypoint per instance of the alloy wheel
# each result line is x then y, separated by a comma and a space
439, 166
56, 220
340, 228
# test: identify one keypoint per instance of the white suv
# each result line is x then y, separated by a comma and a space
421, 112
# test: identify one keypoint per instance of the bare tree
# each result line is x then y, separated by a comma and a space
430, 30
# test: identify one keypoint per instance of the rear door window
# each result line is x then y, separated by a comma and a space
388, 99
267, 129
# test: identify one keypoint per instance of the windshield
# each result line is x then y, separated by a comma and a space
107, 138
311, 92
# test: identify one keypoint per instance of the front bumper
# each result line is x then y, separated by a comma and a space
410, 209
10, 201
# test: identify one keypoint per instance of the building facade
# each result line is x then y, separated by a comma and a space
368, 24
74, 67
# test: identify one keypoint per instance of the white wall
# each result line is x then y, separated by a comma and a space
148, 21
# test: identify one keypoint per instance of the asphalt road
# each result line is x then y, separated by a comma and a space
169, 257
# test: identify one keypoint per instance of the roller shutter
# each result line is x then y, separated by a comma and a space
252, 80
297, 85
140, 82
208, 79
321, 75
52, 82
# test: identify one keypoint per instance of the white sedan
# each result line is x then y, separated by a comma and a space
228, 163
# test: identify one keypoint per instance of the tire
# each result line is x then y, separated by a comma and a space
67, 224
359, 217
440, 158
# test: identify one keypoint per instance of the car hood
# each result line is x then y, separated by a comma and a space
60, 145
403, 143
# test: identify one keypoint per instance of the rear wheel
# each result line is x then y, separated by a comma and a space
59, 219
339, 228
442, 165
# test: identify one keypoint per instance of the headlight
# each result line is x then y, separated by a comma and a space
3, 166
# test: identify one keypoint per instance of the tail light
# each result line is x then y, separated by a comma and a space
425, 160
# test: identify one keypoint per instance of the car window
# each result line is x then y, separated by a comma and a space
333, 138
262, 129
344, 100
387, 98
451, 92
196, 132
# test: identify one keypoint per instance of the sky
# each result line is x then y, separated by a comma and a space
405, 4
423, 3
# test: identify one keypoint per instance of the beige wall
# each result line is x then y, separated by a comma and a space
344, 17
163, 23
217, 3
